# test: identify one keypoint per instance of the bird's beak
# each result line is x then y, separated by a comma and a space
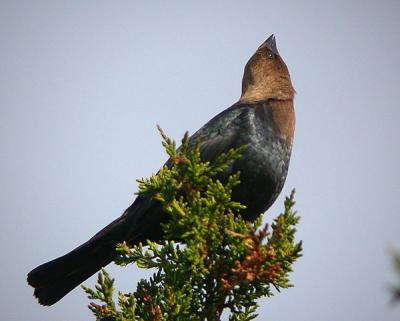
271, 44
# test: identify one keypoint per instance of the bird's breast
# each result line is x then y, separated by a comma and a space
264, 165
270, 136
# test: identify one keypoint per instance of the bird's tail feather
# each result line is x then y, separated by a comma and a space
54, 279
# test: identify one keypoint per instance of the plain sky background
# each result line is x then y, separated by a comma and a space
83, 83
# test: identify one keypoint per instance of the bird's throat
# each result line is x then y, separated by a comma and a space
284, 118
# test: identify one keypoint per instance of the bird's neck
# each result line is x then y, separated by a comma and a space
257, 95
282, 113
284, 117
258, 86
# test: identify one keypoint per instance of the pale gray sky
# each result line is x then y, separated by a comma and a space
83, 83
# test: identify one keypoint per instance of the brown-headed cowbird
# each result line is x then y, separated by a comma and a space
263, 119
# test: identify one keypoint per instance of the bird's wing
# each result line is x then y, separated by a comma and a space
141, 220
220, 134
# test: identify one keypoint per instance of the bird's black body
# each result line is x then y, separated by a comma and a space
264, 125
265, 161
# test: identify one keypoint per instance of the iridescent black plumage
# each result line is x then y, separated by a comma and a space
263, 120
265, 161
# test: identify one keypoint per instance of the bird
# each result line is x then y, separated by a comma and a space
263, 119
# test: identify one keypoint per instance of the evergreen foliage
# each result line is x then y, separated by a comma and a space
212, 261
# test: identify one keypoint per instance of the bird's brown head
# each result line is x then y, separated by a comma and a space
266, 75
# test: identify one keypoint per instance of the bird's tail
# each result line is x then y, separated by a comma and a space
54, 279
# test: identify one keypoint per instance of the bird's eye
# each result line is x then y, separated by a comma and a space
270, 55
